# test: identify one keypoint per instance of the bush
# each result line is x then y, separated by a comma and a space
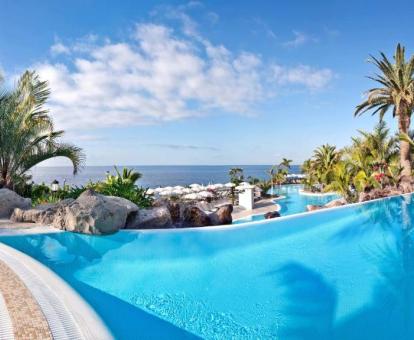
123, 185
120, 185
41, 193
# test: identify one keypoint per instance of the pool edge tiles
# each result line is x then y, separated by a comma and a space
66, 312
20, 310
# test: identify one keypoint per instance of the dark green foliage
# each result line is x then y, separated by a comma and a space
236, 175
120, 185
41, 193
123, 185
27, 135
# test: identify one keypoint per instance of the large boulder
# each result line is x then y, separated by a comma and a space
131, 207
271, 214
312, 207
9, 200
93, 213
175, 212
41, 214
222, 215
195, 217
380, 193
151, 218
335, 203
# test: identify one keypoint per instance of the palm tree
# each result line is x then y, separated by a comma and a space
396, 91
271, 172
128, 177
342, 181
285, 163
324, 159
236, 175
27, 135
279, 177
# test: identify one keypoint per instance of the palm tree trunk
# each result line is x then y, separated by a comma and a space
404, 121
405, 158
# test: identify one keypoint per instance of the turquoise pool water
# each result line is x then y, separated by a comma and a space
292, 203
337, 274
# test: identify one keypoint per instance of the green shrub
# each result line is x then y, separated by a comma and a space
120, 185
123, 185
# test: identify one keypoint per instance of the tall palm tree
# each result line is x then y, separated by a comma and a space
27, 135
396, 91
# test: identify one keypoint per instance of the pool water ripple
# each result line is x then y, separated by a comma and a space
341, 273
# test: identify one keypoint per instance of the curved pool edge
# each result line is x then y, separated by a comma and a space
277, 206
316, 194
265, 221
67, 313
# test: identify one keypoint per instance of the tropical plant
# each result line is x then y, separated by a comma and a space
265, 186
236, 175
41, 193
27, 134
342, 181
374, 158
280, 176
396, 91
122, 184
371, 161
323, 161
253, 180
285, 163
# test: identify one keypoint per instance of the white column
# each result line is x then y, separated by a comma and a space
246, 197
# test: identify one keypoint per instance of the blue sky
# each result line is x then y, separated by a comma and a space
211, 82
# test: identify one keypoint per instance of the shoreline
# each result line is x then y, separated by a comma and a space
153, 176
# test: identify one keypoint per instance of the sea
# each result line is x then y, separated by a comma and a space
152, 175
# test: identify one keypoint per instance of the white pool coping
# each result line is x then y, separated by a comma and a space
27, 230
317, 194
67, 314
6, 325
278, 198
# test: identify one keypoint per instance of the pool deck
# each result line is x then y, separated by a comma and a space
13, 228
261, 207
22, 317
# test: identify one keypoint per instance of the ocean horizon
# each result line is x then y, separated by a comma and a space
152, 175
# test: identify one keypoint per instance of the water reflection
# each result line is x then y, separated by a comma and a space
313, 267
310, 310
309, 305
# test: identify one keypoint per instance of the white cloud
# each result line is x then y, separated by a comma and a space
59, 48
312, 78
299, 39
158, 76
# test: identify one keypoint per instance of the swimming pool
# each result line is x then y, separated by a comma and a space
295, 202
292, 203
344, 273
